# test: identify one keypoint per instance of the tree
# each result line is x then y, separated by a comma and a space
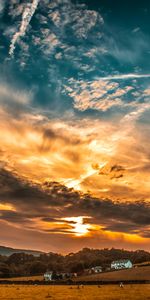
37, 268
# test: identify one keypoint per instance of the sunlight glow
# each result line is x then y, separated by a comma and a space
7, 207
78, 226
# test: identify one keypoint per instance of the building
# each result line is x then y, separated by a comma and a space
93, 270
48, 276
63, 276
121, 264
97, 269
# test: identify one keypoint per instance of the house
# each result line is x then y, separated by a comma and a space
97, 269
93, 270
62, 275
48, 276
121, 264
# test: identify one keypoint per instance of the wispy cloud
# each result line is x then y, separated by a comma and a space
2, 5
26, 18
125, 76
134, 115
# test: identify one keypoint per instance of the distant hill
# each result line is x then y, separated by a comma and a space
139, 274
7, 251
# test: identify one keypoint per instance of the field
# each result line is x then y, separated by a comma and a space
22, 278
134, 274
141, 273
109, 292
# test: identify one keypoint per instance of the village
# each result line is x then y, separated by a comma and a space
114, 266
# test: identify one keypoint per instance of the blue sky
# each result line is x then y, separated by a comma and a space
75, 40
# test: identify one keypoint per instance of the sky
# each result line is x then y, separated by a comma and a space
75, 124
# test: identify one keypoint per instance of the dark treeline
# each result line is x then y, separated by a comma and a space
22, 264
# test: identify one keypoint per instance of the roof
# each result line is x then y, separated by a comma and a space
121, 261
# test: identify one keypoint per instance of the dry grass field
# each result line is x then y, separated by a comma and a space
23, 278
110, 292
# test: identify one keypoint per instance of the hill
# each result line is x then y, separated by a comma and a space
135, 274
139, 274
7, 251
20, 262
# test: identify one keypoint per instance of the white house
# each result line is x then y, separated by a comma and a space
97, 269
48, 276
121, 264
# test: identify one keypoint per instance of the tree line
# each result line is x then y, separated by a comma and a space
22, 264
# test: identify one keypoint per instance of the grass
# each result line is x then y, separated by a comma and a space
142, 273
24, 278
129, 292
145, 263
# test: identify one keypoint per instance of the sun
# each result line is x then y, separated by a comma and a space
79, 228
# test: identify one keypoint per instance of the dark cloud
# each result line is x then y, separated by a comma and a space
53, 201
122, 227
114, 171
50, 136
14, 217
146, 234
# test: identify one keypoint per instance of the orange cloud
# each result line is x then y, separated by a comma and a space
40, 150
107, 159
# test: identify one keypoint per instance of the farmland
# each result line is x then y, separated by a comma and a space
141, 273
134, 274
109, 292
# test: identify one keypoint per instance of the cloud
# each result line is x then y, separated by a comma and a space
75, 17
147, 92
52, 207
49, 41
26, 18
99, 94
125, 76
57, 21
125, 46
114, 171
137, 113
2, 6
13, 101
43, 148
136, 29
36, 151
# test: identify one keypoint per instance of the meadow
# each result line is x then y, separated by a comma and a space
107, 292
138, 274
141, 273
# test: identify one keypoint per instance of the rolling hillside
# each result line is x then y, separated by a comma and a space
139, 274
142, 273
7, 251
